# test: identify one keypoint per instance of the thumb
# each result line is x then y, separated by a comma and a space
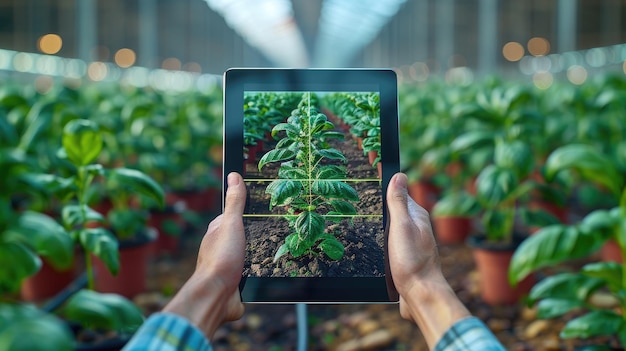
235, 196
397, 196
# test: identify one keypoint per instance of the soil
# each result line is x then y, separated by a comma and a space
362, 237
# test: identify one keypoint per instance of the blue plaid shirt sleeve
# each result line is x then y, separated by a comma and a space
468, 334
168, 332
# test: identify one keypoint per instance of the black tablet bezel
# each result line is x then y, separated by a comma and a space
315, 289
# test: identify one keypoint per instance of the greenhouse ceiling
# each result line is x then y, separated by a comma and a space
419, 38
345, 27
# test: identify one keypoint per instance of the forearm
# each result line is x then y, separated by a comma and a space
434, 307
201, 301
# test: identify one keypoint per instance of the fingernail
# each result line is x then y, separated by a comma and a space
401, 180
233, 179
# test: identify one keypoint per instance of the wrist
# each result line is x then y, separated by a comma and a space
434, 307
202, 301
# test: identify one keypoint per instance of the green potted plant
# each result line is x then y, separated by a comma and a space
562, 293
27, 235
82, 142
499, 188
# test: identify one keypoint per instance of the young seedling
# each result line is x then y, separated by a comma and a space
310, 185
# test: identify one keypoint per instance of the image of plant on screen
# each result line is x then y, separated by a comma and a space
311, 181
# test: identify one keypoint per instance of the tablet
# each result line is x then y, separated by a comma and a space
316, 149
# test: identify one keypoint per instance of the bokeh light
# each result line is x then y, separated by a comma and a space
23, 62
513, 51
419, 71
97, 71
538, 46
171, 63
125, 57
577, 74
50, 44
192, 67
543, 80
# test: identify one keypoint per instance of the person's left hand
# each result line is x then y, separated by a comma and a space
211, 295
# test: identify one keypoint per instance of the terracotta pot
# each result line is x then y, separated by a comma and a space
200, 200
610, 252
452, 230
131, 278
166, 243
424, 193
371, 156
46, 283
492, 263
359, 143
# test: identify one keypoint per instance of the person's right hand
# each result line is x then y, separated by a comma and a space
425, 296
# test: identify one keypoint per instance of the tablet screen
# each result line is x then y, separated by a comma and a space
314, 158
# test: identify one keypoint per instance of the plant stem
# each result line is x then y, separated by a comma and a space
82, 202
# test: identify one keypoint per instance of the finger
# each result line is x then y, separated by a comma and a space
235, 196
397, 196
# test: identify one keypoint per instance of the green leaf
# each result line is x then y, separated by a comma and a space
74, 215
538, 217
103, 311
470, 141
588, 162
286, 127
103, 244
309, 226
494, 185
456, 204
334, 189
50, 184
330, 172
23, 327
549, 246
282, 191
44, 235
82, 141
17, 262
552, 308
515, 155
594, 323
568, 286
342, 207
288, 172
332, 154
332, 248
610, 272
282, 250
275, 156
8, 134
38, 119
136, 182
332, 135
296, 246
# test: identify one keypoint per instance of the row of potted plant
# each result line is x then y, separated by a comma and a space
496, 157
64, 156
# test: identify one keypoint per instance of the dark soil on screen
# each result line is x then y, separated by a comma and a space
363, 239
